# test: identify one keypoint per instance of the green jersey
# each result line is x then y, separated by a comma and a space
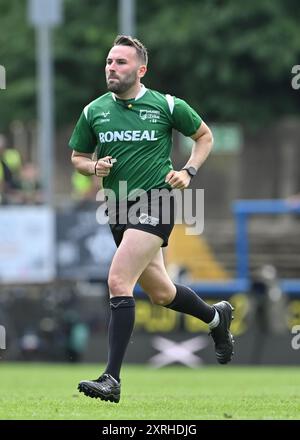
138, 133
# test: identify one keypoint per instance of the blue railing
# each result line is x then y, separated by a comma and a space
245, 208
242, 210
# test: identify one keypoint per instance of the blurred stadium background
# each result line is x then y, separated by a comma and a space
237, 65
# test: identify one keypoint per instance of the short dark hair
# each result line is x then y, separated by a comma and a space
127, 40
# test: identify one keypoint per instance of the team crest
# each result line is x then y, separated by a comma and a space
150, 115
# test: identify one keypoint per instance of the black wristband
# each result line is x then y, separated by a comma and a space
95, 168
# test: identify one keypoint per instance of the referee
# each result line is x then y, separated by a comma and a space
130, 129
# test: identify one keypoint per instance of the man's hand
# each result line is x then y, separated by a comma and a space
178, 179
103, 166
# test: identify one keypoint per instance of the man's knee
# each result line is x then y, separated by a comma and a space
161, 298
118, 286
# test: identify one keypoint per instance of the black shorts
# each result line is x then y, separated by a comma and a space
153, 212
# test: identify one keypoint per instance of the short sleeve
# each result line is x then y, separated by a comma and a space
83, 138
185, 118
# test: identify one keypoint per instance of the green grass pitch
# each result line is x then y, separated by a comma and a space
49, 392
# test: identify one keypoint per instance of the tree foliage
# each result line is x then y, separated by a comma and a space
231, 60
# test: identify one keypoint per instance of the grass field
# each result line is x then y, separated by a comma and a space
49, 392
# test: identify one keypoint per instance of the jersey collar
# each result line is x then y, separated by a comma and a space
138, 96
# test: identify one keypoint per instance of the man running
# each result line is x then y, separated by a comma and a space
130, 128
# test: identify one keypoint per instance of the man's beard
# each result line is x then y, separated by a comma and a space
121, 86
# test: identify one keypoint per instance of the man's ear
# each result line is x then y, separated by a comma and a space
142, 70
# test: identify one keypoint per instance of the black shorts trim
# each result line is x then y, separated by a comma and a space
150, 230
154, 215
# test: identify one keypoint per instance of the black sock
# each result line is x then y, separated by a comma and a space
187, 301
119, 331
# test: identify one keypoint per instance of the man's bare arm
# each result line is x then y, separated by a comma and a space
203, 144
84, 164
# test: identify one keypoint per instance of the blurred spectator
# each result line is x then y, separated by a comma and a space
84, 188
30, 186
10, 166
30, 345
